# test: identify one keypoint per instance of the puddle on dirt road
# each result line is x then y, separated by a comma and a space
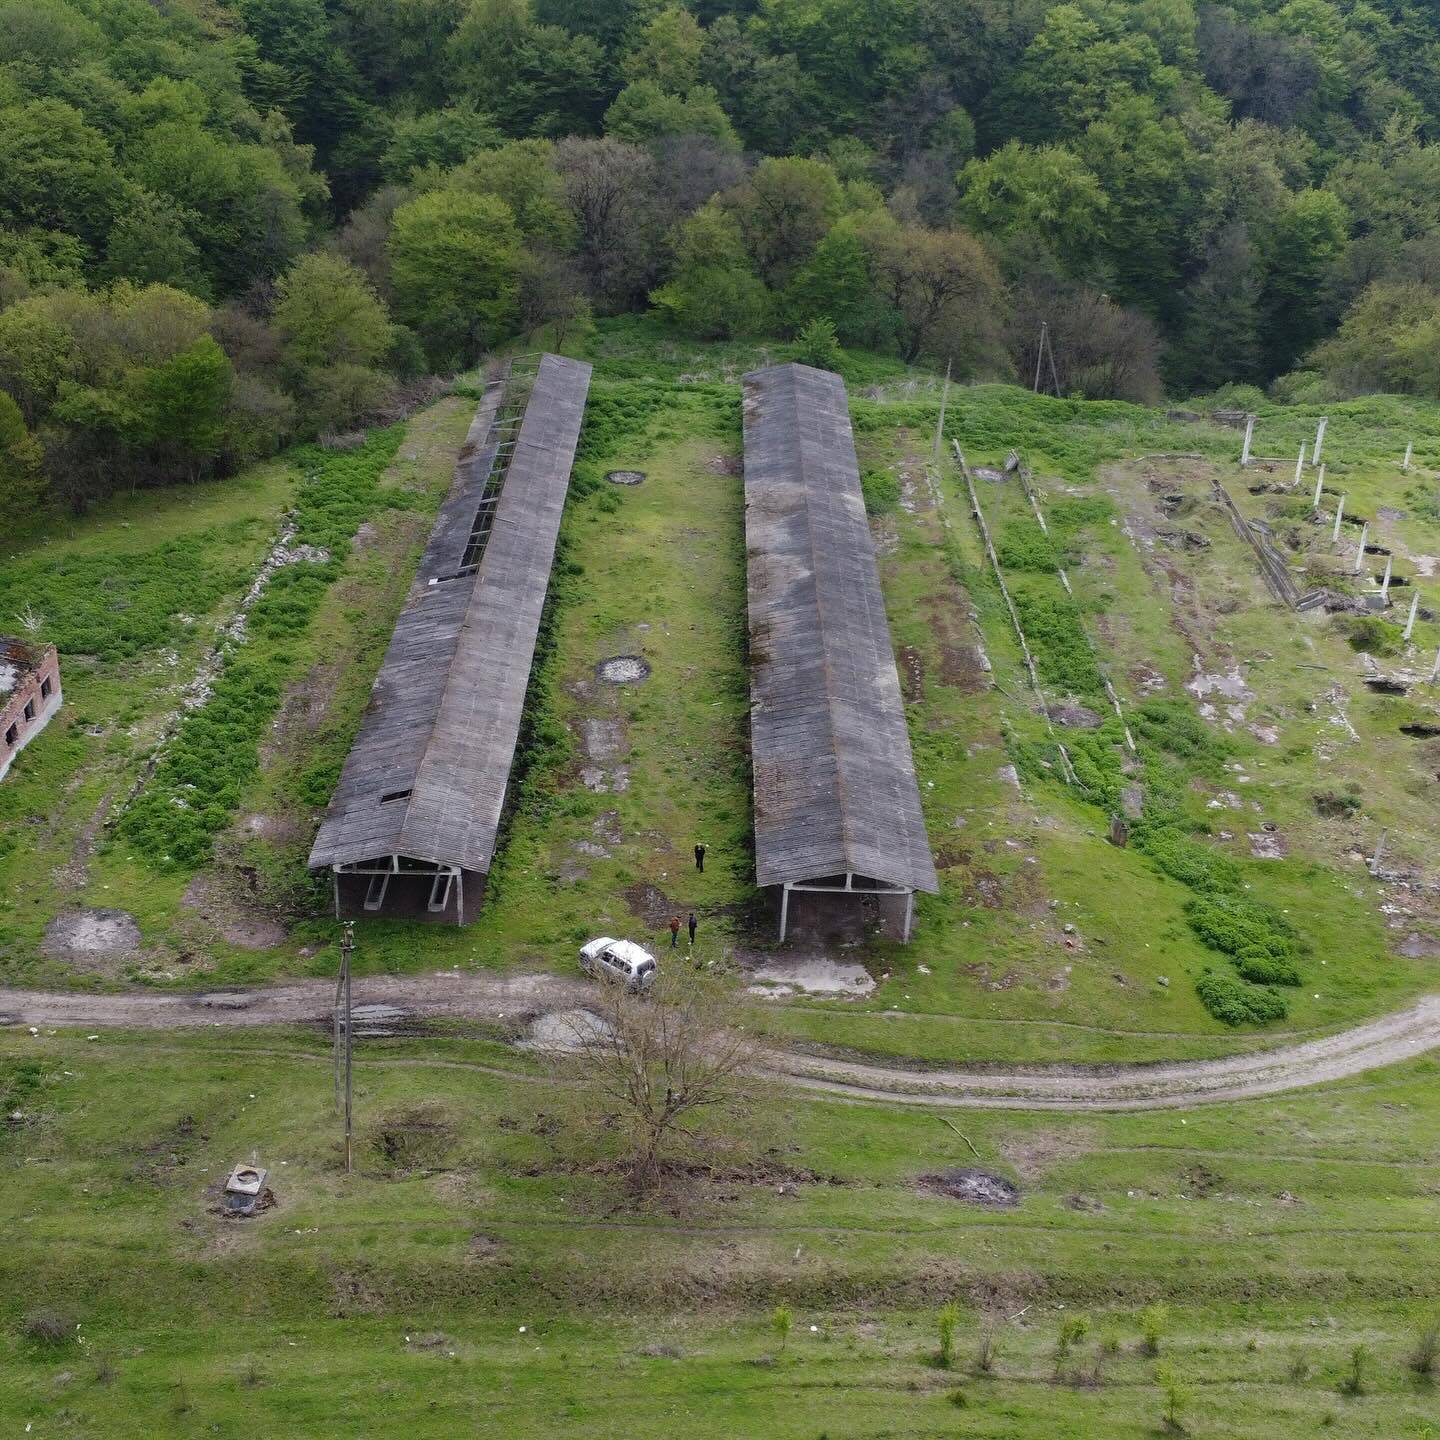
564, 1031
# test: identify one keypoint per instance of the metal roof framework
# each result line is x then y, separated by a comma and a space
837, 807
422, 790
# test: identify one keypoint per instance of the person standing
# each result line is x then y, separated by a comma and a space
700, 858
674, 931
692, 929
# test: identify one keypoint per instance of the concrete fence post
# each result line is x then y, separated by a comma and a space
1409, 451
1300, 465
1319, 438
1360, 554
1339, 516
1385, 583
1414, 609
1249, 436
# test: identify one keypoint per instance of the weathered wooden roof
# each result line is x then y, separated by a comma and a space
444, 713
835, 783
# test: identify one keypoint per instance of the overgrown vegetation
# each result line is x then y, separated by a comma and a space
204, 769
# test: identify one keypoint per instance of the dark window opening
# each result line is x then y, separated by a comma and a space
394, 795
29, 709
46, 687
10, 734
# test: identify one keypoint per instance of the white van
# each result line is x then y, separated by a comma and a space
622, 960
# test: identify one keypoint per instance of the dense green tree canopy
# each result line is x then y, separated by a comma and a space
310, 199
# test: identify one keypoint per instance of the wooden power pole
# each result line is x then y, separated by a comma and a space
344, 1043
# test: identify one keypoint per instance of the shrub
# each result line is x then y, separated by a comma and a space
881, 491
1335, 804
1353, 1381
1233, 1002
1023, 545
1192, 864
780, 1322
1371, 635
946, 1322
1244, 928
1154, 1322
1262, 968
47, 1326
987, 1352
1073, 1329
816, 344
1423, 1357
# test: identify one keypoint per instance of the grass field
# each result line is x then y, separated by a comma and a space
1280, 1234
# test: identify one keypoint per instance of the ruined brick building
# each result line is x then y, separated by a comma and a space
29, 694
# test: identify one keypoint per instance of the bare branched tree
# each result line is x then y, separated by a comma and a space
665, 1063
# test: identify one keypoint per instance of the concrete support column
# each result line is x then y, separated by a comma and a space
784, 911
1410, 623
1339, 516
1319, 486
1360, 554
1300, 465
1319, 438
909, 915
1249, 436
1385, 583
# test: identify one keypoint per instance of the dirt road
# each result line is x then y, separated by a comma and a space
1166, 1085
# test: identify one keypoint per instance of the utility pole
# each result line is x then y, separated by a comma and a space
940, 423
345, 1065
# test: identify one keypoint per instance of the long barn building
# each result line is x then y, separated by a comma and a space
837, 808
412, 828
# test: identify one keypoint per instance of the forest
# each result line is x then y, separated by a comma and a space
226, 225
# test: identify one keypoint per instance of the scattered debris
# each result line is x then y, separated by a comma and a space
625, 477
623, 670
972, 1185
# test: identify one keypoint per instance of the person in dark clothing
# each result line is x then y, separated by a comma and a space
692, 927
674, 931
700, 858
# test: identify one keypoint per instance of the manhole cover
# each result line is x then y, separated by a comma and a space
622, 670
625, 477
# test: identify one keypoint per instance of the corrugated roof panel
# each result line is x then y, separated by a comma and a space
835, 786
444, 713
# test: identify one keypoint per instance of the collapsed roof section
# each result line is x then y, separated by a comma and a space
836, 801
424, 784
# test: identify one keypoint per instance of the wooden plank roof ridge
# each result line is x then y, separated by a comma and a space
440, 730
835, 787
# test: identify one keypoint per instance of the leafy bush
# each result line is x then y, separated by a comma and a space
1023, 545
881, 490
1057, 640
1231, 1001
816, 344
1191, 863
1371, 635
1239, 926
1262, 968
